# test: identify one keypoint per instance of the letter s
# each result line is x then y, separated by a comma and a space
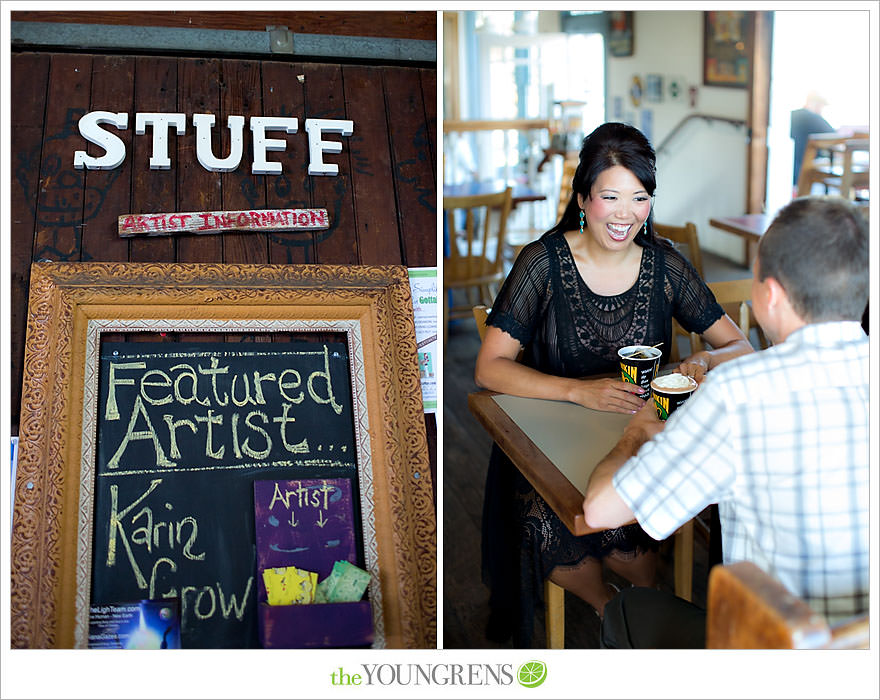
90, 129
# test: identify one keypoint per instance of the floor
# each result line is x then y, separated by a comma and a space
466, 449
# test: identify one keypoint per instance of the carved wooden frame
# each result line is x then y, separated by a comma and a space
71, 304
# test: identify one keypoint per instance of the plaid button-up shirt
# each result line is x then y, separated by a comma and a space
779, 439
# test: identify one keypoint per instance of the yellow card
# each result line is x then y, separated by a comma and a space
290, 585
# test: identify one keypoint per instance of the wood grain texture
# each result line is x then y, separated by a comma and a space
198, 189
61, 194
283, 96
748, 609
416, 184
155, 90
375, 205
241, 189
324, 93
27, 69
109, 190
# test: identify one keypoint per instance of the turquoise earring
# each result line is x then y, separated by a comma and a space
582, 221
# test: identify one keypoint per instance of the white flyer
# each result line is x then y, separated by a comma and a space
423, 283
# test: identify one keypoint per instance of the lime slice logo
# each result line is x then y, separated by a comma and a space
531, 674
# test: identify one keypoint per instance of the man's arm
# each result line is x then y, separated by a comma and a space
603, 506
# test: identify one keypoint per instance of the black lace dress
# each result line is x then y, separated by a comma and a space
567, 330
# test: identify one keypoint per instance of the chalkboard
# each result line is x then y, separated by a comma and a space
183, 432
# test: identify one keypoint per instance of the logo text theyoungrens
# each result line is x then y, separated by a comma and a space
425, 674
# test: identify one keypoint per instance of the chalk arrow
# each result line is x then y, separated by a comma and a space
320, 522
293, 521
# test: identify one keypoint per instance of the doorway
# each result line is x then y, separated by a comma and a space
826, 52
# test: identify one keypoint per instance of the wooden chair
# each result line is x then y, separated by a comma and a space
518, 240
683, 235
481, 313
837, 171
686, 235
569, 166
475, 262
734, 297
854, 178
749, 609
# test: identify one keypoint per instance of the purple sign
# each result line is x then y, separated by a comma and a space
307, 523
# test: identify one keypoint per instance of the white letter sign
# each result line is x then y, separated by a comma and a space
261, 144
204, 152
160, 122
90, 129
317, 147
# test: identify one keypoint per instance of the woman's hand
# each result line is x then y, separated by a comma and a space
608, 395
695, 366
727, 341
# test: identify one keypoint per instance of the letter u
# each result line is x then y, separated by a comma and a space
204, 152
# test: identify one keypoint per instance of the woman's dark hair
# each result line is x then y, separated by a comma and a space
608, 145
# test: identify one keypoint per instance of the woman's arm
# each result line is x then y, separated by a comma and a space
498, 370
727, 341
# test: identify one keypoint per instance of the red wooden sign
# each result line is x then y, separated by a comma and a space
131, 225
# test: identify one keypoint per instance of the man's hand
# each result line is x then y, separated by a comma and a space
643, 426
603, 507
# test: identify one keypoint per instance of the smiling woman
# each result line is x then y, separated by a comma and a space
617, 207
598, 281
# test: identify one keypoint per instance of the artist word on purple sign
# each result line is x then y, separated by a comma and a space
307, 523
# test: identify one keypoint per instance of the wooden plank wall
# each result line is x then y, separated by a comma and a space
382, 204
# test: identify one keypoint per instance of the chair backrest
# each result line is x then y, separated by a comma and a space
734, 297
686, 234
569, 166
481, 313
475, 251
749, 609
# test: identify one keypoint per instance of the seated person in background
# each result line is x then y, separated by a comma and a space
779, 439
805, 121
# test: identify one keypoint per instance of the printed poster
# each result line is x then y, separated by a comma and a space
423, 283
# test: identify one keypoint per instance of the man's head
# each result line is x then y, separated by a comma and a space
815, 102
811, 267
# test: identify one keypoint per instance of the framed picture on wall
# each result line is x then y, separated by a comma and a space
620, 34
726, 48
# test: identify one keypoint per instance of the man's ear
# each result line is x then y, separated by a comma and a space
777, 298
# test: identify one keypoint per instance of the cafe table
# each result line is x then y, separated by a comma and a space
749, 227
521, 192
556, 445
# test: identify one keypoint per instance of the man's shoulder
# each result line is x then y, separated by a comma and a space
750, 365
795, 361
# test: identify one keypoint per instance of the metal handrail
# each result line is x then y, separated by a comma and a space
706, 117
